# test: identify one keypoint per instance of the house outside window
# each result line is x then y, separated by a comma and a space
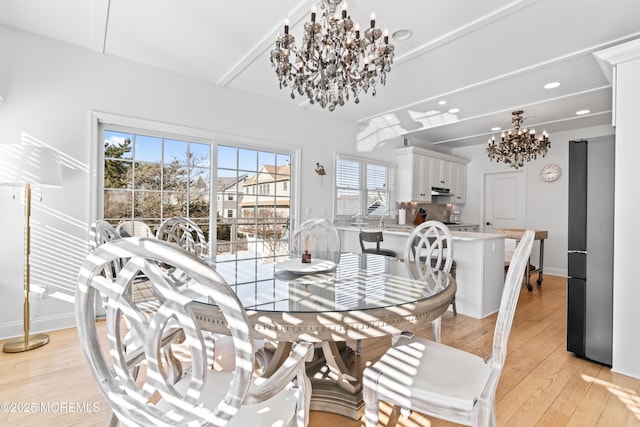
261, 217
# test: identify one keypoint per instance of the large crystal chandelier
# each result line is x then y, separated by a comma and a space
335, 60
518, 146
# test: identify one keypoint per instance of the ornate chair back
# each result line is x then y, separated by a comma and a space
429, 247
134, 229
318, 236
101, 233
185, 233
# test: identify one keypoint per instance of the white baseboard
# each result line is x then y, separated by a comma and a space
555, 272
41, 324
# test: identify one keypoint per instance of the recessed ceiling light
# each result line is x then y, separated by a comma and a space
495, 128
454, 110
582, 112
442, 102
402, 34
552, 85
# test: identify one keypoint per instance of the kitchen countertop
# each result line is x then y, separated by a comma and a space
401, 230
516, 233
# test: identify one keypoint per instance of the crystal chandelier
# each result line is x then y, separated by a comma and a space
335, 60
518, 146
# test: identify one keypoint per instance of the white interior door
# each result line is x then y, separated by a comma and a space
505, 200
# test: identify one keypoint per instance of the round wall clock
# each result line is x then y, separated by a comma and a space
550, 172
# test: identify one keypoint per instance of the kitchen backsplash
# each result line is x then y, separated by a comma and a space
434, 212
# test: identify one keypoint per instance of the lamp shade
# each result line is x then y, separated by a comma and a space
30, 164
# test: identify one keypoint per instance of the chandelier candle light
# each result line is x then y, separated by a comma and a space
518, 146
334, 61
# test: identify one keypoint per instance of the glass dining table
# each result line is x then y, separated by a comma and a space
356, 297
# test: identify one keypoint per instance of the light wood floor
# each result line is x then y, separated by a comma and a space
541, 385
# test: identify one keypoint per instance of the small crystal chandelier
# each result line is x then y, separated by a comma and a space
518, 146
335, 60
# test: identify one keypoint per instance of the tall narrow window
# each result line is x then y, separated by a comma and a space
363, 187
258, 230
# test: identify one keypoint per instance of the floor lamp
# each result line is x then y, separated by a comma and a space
37, 166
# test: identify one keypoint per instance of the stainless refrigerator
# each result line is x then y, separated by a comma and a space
590, 241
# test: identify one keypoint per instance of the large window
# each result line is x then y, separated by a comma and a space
150, 177
363, 187
240, 195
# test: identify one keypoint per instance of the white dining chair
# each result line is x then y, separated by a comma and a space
319, 237
202, 396
445, 382
102, 232
184, 233
130, 228
430, 248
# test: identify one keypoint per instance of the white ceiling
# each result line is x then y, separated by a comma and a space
485, 57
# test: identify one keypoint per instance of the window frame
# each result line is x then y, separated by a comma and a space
95, 167
363, 189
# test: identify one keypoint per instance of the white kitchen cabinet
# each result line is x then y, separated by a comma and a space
440, 173
414, 181
420, 169
458, 174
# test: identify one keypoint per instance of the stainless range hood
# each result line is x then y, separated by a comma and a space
440, 191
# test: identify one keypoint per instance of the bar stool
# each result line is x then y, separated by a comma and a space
374, 237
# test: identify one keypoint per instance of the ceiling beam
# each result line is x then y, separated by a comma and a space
100, 20
463, 30
268, 41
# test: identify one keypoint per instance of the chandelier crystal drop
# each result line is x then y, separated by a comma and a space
518, 146
335, 60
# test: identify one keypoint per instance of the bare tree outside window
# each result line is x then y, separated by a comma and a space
151, 179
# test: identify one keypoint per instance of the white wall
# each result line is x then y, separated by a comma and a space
49, 90
547, 207
626, 292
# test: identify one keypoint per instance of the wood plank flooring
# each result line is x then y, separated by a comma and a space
541, 385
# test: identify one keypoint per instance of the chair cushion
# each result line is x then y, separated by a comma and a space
276, 411
382, 251
417, 369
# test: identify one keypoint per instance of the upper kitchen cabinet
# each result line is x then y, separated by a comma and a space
440, 173
458, 174
420, 170
414, 181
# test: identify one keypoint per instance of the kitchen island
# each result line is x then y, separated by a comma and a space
479, 264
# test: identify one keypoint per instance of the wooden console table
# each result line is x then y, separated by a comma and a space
516, 233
